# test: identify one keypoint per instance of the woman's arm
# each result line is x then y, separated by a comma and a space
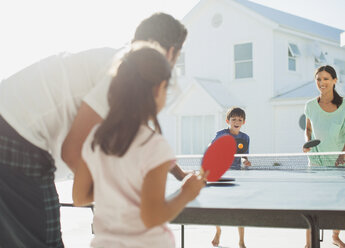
308, 132
341, 158
82, 193
155, 209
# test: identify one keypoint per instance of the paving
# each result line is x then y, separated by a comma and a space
76, 229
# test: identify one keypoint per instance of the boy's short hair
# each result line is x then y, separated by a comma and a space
235, 111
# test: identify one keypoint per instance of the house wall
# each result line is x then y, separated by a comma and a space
168, 123
209, 53
195, 102
336, 52
286, 80
288, 135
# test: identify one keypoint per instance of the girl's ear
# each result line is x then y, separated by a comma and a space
170, 54
159, 88
227, 121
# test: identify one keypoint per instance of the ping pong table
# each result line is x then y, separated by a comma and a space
282, 194
310, 198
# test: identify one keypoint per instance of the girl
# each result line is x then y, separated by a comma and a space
325, 120
128, 161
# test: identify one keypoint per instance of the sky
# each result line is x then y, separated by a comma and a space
34, 29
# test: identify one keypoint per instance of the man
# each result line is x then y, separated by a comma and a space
170, 35
40, 105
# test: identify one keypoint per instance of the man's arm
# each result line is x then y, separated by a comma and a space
178, 173
82, 192
85, 120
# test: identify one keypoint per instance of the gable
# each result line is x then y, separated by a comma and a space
194, 101
294, 22
267, 15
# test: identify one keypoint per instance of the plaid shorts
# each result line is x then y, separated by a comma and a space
29, 203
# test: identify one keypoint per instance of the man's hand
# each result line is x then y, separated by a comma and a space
178, 173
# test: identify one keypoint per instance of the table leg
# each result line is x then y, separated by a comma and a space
182, 236
313, 224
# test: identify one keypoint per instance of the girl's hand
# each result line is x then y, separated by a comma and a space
306, 149
193, 184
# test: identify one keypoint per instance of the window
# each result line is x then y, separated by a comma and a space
293, 52
340, 68
320, 60
180, 65
196, 132
243, 60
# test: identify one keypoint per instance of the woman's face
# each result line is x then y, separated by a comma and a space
325, 82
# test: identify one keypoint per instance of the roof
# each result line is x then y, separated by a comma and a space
307, 90
294, 22
218, 92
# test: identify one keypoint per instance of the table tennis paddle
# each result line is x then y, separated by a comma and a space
311, 143
242, 145
218, 157
226, 179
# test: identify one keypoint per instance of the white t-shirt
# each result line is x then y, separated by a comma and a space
41, 101
117, 192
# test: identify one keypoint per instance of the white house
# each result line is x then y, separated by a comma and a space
241, 53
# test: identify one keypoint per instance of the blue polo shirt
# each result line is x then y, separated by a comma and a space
236, 165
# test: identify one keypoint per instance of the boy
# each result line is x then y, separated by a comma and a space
235, 118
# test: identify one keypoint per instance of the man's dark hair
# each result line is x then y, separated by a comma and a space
164, 29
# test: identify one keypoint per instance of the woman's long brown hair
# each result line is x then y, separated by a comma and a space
131, 99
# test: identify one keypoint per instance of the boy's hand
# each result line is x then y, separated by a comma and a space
247, 163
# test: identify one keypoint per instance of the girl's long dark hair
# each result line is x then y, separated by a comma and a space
337, 99
131, 99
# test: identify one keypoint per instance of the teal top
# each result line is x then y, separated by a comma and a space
329, 128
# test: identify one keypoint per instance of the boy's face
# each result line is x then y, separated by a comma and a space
235, 122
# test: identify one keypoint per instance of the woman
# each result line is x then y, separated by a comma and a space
325, 120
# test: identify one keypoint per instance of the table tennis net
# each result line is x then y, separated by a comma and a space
282, 161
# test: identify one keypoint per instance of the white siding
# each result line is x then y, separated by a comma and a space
288, 136
209, 54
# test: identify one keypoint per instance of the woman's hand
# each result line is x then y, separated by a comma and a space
306, 149
340, 160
